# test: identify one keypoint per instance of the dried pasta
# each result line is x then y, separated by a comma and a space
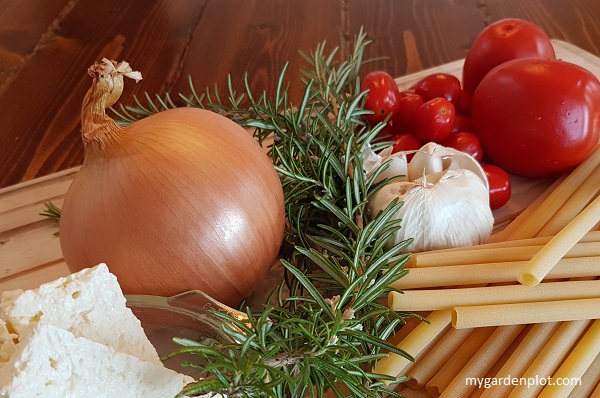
521, 358
482, 361
560, 244
576, 363
448, 372
441, 299
491, 253
550, 357
546, 210
422, 337
517, 313
429, 365
473, 274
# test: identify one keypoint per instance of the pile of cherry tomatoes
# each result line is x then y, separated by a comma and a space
519, 109
435, 109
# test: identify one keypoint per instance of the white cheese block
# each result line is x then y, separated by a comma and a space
51, 362
7, 343
88, 304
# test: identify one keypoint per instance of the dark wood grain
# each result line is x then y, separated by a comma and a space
46, 47
260, 40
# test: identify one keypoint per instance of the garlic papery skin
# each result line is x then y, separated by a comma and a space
445, 209
430, 158
397, 166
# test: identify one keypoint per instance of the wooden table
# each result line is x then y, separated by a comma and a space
46, 47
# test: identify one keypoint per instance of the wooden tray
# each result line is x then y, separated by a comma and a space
29, 244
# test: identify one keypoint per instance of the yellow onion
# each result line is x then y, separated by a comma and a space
185, 199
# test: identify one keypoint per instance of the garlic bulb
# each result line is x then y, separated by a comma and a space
445, 195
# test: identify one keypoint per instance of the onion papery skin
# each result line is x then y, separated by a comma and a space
185, 199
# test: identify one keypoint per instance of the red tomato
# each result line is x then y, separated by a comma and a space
465, 141
382, 97
500, 42
439, 85
406, 142
499, 183
385, 134
464, 103
434, 120
403, 118
462, 123
537, 117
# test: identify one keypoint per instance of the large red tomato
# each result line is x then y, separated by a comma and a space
537, 117
500, 42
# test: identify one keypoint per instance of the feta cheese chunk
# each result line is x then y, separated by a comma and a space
88, 304
51, 362
7, 343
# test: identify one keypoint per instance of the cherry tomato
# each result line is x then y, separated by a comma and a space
442, 85
537, 117
464, 103
499, 183
434, 120
382, 97
462, 123
387, 133
465, 141
406, 142
403, 118
502, 41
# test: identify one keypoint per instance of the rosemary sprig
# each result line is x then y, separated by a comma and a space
325, 327
51, 211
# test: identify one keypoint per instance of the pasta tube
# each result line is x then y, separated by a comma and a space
518, 313
441, 299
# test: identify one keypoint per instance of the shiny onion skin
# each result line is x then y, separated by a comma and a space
185, 199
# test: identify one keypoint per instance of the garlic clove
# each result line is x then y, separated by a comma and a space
453, 159
398, 163
398, 166
371, 160
426, 160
